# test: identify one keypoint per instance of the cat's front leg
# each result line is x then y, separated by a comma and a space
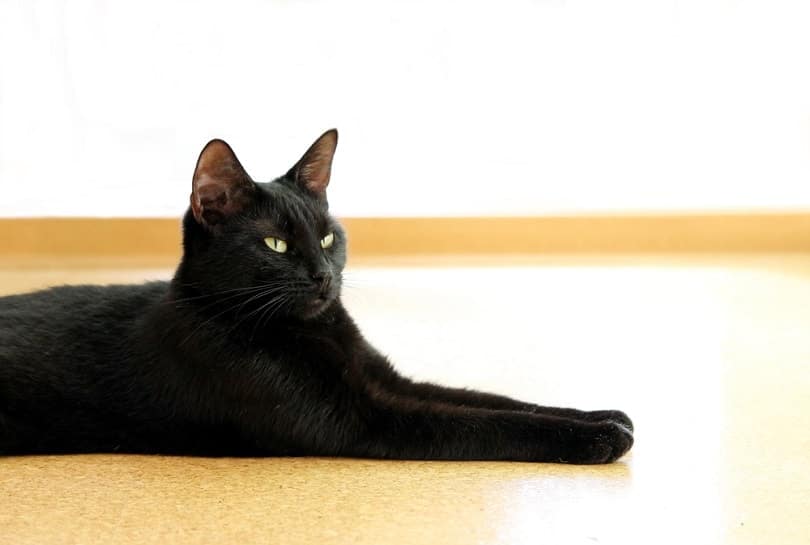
381, 370
436, 431
463, 397
345, 414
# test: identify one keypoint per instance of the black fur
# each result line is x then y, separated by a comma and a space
247, 351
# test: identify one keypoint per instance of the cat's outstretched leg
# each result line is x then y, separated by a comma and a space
433, 431
483, 400
349, 414
390, 380
382, 426
379, 369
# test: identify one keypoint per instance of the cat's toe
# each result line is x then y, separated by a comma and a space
609, 442
622, 441
619, 417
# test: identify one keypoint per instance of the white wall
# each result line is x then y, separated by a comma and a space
445, 107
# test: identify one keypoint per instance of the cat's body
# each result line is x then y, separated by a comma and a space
249, 351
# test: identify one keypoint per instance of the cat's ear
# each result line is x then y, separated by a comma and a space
312, 171
221, 187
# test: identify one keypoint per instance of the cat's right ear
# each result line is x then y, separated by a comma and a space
220, 187
313, 170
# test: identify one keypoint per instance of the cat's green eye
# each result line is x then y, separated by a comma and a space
276, 244
328, 240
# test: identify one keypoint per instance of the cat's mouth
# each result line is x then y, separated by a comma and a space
316, 305
319, 299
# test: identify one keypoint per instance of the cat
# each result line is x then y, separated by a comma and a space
248, 351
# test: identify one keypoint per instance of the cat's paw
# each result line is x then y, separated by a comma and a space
618, 417
600, 443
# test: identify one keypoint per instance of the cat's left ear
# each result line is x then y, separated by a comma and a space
313, 170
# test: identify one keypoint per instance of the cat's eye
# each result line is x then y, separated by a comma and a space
328, 240
277, 245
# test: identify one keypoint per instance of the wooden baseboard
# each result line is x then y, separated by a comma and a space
391, 237
587, 234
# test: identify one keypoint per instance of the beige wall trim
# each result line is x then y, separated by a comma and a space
132, 237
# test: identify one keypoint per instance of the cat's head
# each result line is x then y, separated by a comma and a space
272, 248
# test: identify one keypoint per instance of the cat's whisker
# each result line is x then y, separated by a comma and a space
352, 281
260, 295
272, 307
276, 308
222, 300
239, 293
274, 287
214, 294
209, 320
255, 311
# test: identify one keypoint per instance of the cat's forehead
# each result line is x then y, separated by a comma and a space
286, 209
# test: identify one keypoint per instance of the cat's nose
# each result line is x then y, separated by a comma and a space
323, 280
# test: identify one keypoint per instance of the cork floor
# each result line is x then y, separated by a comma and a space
710, 356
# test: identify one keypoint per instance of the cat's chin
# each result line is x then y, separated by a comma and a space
314, 308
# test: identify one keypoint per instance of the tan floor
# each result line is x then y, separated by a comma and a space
711, 357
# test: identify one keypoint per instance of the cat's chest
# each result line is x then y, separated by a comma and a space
284, 359
308, 352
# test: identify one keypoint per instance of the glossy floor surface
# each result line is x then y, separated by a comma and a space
710, 356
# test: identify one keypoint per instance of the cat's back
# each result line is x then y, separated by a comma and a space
89, 318
73, 304
72, 366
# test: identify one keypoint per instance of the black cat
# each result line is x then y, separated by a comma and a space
248, 351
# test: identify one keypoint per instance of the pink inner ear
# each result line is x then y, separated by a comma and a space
210, 193
315, 167
220, 187
315, 175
